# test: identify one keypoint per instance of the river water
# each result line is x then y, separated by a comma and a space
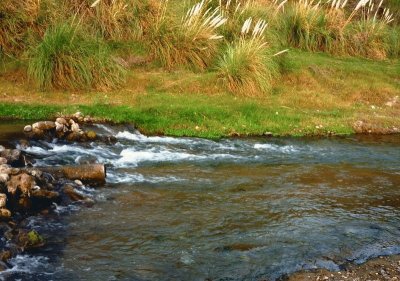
234, 209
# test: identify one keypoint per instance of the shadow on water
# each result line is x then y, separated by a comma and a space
235, 209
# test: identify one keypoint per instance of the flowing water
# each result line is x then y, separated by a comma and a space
234, 209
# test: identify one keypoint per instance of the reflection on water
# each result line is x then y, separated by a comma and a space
251, 209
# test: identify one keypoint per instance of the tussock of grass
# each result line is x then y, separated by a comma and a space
247, 66
67, 59
192, 42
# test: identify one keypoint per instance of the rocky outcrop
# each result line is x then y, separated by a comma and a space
67, 128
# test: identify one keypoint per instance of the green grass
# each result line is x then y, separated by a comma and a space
194, 116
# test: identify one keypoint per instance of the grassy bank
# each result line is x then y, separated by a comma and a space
316, 94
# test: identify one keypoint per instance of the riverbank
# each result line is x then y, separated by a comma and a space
380, 269
316, 95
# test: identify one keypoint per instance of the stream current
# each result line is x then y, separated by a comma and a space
234, 209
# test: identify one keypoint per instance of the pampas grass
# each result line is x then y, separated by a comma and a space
247, 66
192, 42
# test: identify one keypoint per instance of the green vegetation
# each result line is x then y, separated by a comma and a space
223, 67
317, 94
67, 59
247, 66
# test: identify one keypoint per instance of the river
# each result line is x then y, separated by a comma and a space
233, 209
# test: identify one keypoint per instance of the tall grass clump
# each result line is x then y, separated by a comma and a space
19, 22
247, 67
368, 35
67, 58
192, 42
305, 24
393, 42
117, 20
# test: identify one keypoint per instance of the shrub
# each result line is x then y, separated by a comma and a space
247, 66
68, 59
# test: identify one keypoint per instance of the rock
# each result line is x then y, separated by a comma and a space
22, 182
73, 136
35, 173
3, 266
28, 129
42, 199
14, 171
37, 133
5, 169
29, 239
3, 160
45, 194
5, 255
75, 127
78, 115
5, 214
91, 135
59, 127
44, 125
78, 183
4, 178
23, 204
2, 148
61, 121
3, 200
72, 193
14, 157
24, 144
